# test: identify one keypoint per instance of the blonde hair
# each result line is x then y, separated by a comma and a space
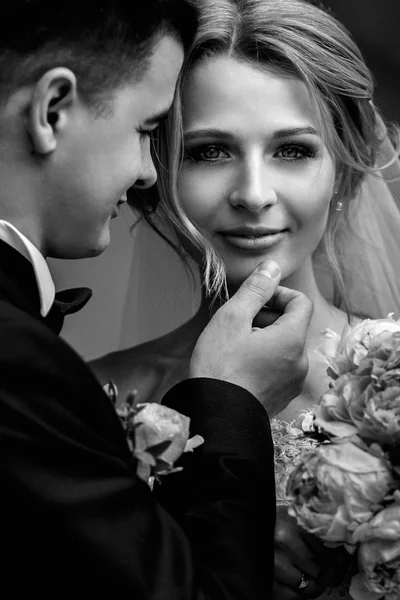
296, 38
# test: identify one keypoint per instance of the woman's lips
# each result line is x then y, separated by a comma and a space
255, 242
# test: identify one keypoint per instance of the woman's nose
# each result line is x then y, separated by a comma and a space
253, 189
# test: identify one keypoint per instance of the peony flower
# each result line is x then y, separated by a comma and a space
358, 341
384, 525
379, 564
161, 435
343, 354
335, 489
335, 358
377, 415
332, 414
366, 401
379, 553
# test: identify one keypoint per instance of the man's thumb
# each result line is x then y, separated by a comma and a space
258, 288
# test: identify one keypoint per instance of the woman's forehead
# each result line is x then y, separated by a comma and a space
228, 92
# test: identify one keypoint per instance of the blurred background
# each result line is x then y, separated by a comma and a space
375, 26
166, 298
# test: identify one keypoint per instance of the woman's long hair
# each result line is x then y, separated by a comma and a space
299, 39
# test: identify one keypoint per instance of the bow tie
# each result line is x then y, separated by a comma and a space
66, 302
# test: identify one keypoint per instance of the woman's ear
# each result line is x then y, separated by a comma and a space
54, 97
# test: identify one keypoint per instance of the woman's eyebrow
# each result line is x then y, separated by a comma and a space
220, 134
289, 131
214, 133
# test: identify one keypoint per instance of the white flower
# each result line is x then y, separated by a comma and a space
344, 354
161, 435
334, 489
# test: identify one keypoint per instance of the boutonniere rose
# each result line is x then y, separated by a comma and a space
156, 434
161, 437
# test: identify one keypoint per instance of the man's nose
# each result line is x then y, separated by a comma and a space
148, 172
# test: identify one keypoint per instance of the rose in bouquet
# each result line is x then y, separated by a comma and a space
335, 489
344, 353
347, 491
157, 435
365, 401
379, 556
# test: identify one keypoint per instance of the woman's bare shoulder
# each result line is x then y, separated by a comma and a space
143, 368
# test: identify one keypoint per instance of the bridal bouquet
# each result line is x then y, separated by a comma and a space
347, 490
156, 435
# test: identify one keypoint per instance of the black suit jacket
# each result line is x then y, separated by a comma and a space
75, 519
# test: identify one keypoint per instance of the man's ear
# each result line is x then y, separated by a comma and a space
54, 97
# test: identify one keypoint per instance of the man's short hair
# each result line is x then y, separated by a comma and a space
104, 42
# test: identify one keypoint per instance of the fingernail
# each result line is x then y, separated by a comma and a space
269, 268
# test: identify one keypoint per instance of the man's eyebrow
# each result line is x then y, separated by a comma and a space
156, 119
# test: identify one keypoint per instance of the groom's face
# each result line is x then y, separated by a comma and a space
101, 157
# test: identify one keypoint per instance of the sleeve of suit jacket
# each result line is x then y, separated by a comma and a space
224, 499
76, 520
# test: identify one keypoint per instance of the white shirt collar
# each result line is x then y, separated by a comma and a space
15, 239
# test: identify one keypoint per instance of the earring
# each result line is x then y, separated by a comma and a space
337, 203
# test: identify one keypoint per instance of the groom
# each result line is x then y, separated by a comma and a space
82, 85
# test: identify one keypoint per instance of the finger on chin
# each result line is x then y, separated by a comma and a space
293, 304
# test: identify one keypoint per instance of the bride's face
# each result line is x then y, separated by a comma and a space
256, 175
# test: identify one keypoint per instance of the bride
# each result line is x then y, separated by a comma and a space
284, 157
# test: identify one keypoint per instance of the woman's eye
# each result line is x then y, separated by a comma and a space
296, 152
208, 153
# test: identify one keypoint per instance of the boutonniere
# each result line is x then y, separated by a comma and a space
156, 435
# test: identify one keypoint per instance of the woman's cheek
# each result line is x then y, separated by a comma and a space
200, 199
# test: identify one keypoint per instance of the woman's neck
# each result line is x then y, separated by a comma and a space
303, 280
324, 314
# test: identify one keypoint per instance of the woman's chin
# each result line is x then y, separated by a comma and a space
237, 277
235, 280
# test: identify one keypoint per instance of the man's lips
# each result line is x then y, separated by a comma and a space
253, 238
116, 208
122, 200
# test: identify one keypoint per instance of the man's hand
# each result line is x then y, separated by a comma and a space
299, 554
270, 362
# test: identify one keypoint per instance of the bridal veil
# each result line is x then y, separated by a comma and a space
371, 244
